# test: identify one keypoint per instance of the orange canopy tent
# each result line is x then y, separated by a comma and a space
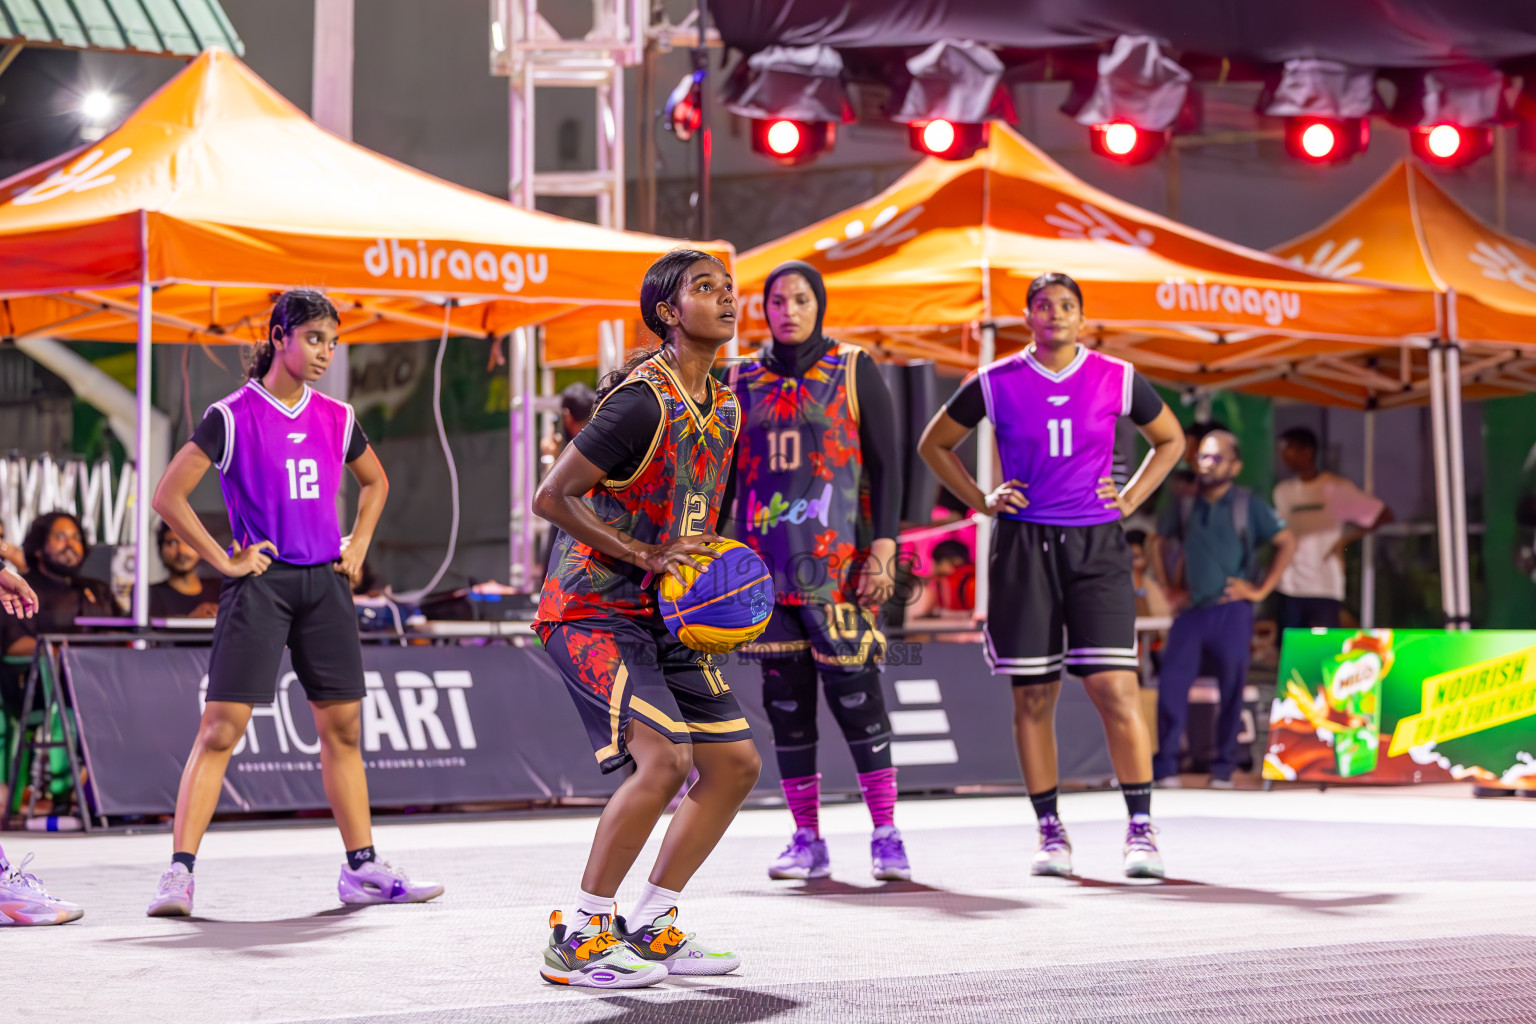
948, 251
1407, 230
179, 225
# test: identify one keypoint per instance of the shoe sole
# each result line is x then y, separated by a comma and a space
1050, 871
796, 875
892, 874
1145, 872
603, 977
29, 920
369, 899
693, 966
170, 910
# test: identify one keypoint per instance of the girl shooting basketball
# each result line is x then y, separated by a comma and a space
635, 495
280, 447
1060, 561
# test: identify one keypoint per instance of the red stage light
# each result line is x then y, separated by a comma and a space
1319, 140
948, 140
789, 141
783, 137
1451, 145
1125, 143
938, 136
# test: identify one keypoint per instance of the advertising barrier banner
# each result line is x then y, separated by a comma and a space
1405, 706
454, 725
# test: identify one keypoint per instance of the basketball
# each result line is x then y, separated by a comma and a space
723, 608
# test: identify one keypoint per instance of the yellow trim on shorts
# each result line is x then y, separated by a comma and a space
615, 708
656, 715
734, 725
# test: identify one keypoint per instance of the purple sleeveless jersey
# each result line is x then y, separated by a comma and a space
1056, 431
281, 471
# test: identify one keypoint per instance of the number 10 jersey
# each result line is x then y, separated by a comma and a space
281, 468
1056, 431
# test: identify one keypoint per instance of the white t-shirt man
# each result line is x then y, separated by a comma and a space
1317, 511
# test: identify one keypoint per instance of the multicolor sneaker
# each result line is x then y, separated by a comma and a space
24, 901
1141, 857
174, 897
378, 881
593, 957
1054, 857
661, 943
888, 855
804, 857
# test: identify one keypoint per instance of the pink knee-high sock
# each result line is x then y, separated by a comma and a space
880, 795
803, 794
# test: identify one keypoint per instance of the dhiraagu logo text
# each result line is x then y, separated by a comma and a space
763, 517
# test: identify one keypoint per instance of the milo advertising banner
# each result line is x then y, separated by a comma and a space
1404, 706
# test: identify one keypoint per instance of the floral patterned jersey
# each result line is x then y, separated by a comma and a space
676, 492
799, 471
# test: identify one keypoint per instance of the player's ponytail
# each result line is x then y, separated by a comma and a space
292, 309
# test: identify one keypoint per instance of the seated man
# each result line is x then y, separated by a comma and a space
55, 550
949, 591
184, 594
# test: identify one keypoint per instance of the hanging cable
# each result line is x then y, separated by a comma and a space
415, 596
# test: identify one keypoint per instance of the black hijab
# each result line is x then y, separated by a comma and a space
795, 360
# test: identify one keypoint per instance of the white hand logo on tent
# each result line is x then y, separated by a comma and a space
888, 228
1087, 222
89, 172
1501, 263
1331, 262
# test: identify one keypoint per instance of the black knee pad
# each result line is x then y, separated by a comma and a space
789, 699
858, 704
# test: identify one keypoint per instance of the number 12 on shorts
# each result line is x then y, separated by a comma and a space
303, 479
1061, 437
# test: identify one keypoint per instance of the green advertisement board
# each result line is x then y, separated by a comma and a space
1405, 706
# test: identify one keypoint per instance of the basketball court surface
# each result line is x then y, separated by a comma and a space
1296, 906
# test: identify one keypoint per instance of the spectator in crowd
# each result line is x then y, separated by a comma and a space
1327, 513
1218, 531
949, 591
1151, 598
576, 403
56, 550
184, 594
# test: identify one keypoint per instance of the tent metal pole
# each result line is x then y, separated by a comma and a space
1458, 488
143, 484
986, 447
1368, 544
523, 454
1442, 486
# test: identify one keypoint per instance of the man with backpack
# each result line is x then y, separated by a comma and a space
1217, 532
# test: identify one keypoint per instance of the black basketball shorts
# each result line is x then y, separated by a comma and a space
1046, 581
305, 608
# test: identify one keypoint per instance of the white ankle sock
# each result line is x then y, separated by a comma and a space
587, 907
653, 902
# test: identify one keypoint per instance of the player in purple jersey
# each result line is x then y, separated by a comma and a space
1060, 562
280, 447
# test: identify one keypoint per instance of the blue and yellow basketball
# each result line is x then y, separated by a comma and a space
728, 605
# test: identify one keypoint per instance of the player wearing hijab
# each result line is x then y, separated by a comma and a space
635, 495
280, 447
816, 492
1060, 561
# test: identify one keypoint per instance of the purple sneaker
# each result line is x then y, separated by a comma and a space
1141, 857
379, 881
889, 855
804, 857
1054, 857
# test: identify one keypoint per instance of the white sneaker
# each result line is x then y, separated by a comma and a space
1054, 857
1168, 782
24, 900
378, 881
1142, 859
174, 897
1216, 783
